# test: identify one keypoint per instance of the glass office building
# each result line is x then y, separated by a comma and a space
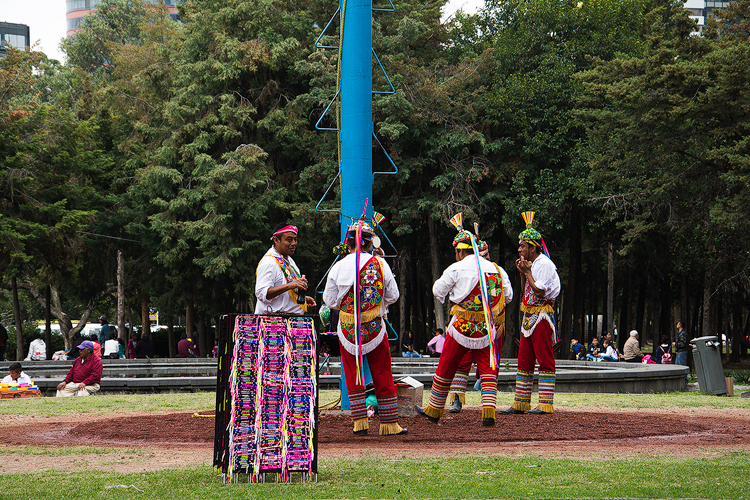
76, 9
13, 35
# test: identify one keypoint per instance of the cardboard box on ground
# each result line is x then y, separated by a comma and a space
409, 391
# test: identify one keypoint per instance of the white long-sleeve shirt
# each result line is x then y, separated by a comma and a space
270, 275
22, 379
341, 278
457, 282
460, 278
37, 350
544, 272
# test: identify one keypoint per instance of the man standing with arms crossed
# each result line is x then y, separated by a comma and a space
541, 286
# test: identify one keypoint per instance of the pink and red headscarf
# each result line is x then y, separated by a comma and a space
286, 229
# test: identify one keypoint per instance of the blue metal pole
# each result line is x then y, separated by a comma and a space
355, 135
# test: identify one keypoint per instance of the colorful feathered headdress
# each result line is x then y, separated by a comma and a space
463, 238
531, 235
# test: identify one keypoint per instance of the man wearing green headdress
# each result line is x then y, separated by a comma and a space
541, 286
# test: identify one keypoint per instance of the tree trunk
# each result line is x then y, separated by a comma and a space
623, 333
189, 317
48, 321
707, 303
170, 336
121, 297
640, 310
402, 319
610, 323
145, 322
736, 331
436, 272
685, 302
17, 319
666, 301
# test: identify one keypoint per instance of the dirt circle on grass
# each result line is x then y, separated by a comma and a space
143, 442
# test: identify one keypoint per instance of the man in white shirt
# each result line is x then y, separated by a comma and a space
37, 349
279, 285
467, 330
541, 286
17, 376
377, 290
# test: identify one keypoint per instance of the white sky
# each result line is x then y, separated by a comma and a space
46, 19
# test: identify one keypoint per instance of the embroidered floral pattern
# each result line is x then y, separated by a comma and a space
473, 303
371, 290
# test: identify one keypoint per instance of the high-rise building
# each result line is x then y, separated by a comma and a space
702, 9
17, 36
76, 9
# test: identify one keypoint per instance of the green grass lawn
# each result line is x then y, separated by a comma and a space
468, 477
723, 475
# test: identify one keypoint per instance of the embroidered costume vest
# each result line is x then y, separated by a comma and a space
534, 309
469, 314
291, 273
371, 291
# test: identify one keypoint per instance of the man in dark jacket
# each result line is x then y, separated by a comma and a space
144, 348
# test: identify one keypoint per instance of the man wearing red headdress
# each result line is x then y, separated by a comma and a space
278, 280
467, 331
541, 286
377, 290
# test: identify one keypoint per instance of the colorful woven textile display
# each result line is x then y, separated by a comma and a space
273, 395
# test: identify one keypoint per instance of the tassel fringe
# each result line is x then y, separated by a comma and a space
457, 395
390, 429
488, 412
361, 424
433, 412
546, 407
522, 405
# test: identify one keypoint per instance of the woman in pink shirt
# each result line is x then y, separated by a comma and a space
435, 346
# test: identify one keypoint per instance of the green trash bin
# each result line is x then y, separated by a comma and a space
707, 356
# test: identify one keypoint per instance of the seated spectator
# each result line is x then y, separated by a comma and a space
663, 353
73, 352
144, 348
17, 376
610, 352
112, 347
97, 346
185, 347
131, 345
196, 348
84, 376
576, 350
631, 352
215, 350
435, 345
37, 349
121, 348
594, 351
407, 345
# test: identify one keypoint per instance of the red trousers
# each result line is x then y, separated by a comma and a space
379, 361
538, 347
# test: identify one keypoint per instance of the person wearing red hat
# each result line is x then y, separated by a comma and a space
279, 285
